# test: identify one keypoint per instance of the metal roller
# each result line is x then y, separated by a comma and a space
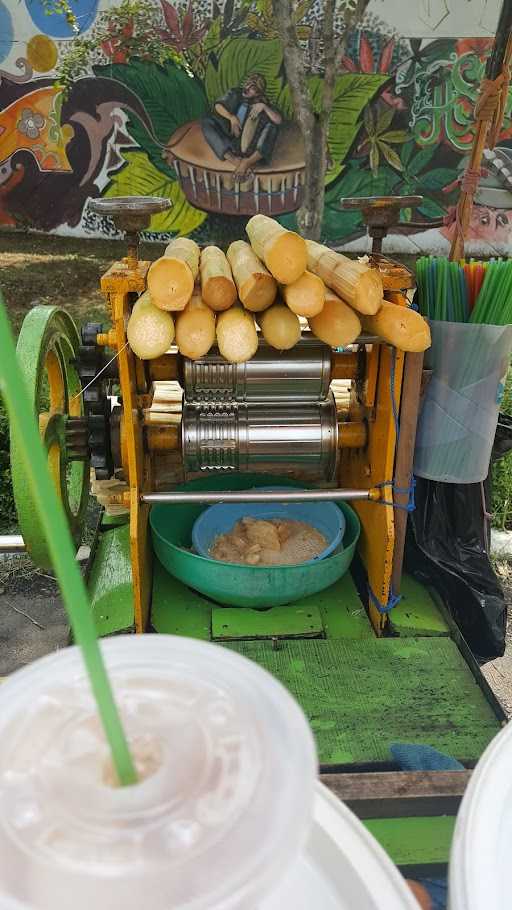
302, 374
301, 437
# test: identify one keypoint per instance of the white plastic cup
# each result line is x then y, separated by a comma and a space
479, 870
225, 806
459, 412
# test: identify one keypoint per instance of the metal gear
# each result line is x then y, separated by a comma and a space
91, 362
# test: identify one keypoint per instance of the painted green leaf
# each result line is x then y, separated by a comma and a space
237, 59
431, 209
169, 96
384, 120
374, 157
406, 152
352, 94
395, 136
436, 179
421, 159
140, 177
390, 155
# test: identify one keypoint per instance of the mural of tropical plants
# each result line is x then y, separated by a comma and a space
106, 112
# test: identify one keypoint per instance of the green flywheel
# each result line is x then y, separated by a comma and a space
47, 349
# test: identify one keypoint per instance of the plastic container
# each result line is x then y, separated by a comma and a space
459, 413
238, 585
326, 517
479, 870
342, 867
223, 812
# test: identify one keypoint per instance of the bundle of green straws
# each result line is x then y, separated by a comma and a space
472, 292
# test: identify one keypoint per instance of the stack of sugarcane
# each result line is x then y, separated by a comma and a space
196, 298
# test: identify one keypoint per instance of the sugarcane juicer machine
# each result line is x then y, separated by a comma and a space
329, 419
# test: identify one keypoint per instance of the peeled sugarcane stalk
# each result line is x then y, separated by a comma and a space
306, 296
150, 330
237, 338
283, 252
195, 328
338, 324
217, 286
355, 282
171, 278
399, 326
280, 327
257, 288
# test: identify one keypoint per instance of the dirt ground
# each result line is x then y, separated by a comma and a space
64, 271
499, 672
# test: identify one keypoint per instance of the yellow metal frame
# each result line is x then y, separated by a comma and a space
118, 283
371, 466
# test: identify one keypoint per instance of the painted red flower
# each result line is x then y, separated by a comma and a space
368, 64
180, 33
115, 47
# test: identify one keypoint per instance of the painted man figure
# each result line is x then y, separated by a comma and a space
243, 126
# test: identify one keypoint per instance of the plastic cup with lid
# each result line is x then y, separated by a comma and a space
224, 802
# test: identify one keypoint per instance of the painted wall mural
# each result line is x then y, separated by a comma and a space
210, 124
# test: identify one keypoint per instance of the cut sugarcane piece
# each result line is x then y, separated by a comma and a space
280, 327
237, 338
257, 288
355, 282
171, 278
283, 252
306, 296
150, 330
399, 326
195, 328
338, 324
217, 286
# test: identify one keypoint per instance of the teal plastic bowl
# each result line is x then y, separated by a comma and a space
326, 517
258, 587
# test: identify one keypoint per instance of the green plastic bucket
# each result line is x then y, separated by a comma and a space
237, 585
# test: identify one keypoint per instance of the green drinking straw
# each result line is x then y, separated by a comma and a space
53, 522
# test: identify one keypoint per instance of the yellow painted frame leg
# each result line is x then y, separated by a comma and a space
118, 283
370, 467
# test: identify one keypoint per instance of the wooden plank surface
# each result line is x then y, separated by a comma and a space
229, 623
417, 613
418, 846
362, 696
176, 610
343, 613
399, 794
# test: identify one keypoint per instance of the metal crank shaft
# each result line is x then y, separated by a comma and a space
264, 496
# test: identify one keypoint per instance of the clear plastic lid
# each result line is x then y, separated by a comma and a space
227, 766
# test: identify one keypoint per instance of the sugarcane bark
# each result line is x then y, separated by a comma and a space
256, 287
283, 252
355, 282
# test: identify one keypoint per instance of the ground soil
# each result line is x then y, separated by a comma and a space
63, 271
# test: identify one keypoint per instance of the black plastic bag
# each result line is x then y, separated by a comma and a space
448, 542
